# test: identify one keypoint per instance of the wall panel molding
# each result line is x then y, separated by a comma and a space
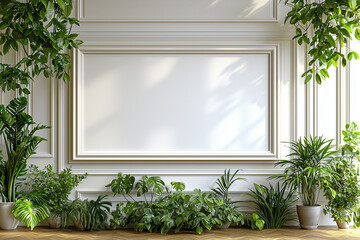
100, 157
249, 11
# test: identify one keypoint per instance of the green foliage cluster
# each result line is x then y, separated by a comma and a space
175, 210
88, 215
326, 27
42, 29
307, 169
78, 213
55, 187
224, 183
254, 221
273, 204
343, 190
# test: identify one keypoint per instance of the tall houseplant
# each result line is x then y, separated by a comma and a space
39, 30
343, 190
326, 27
42, 29
306, 171
18, 131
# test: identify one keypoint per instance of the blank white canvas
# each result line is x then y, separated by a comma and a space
174, 103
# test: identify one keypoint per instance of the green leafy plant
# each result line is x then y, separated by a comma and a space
88, 215
254, 221
18, 130
326, 27
153, 185
228, 211
273, 205
173, 210
55, 187
306, 171
41, 29
99, 210
30, 210
343, 190
78, 212
224, 183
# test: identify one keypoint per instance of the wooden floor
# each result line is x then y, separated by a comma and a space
227, 234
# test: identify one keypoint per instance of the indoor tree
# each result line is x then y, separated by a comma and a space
41, 32
42, 29
325, 26
307, 173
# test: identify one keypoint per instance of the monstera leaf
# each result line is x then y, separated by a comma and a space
29, 212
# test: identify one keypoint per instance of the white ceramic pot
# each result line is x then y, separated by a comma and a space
7, 219
309, 216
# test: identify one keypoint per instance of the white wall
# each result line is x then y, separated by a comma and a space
183, 90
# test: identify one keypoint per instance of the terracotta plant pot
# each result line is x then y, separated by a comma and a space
54, 221
7, 219
309, 216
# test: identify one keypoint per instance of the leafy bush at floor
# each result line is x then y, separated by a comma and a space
176, 210
273, 205
88, 215
55, 187
343, 189
254, 221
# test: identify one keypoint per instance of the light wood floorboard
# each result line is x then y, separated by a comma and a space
227, 234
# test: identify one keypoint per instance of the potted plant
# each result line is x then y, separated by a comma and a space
78, 213
99, 210
222, 190
88, 215
18, 130
343, 189
306, 171
55, 187
40, 30
273, 204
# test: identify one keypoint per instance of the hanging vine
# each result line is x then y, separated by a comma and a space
326, 27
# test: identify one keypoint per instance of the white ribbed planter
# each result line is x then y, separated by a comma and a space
309, 216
